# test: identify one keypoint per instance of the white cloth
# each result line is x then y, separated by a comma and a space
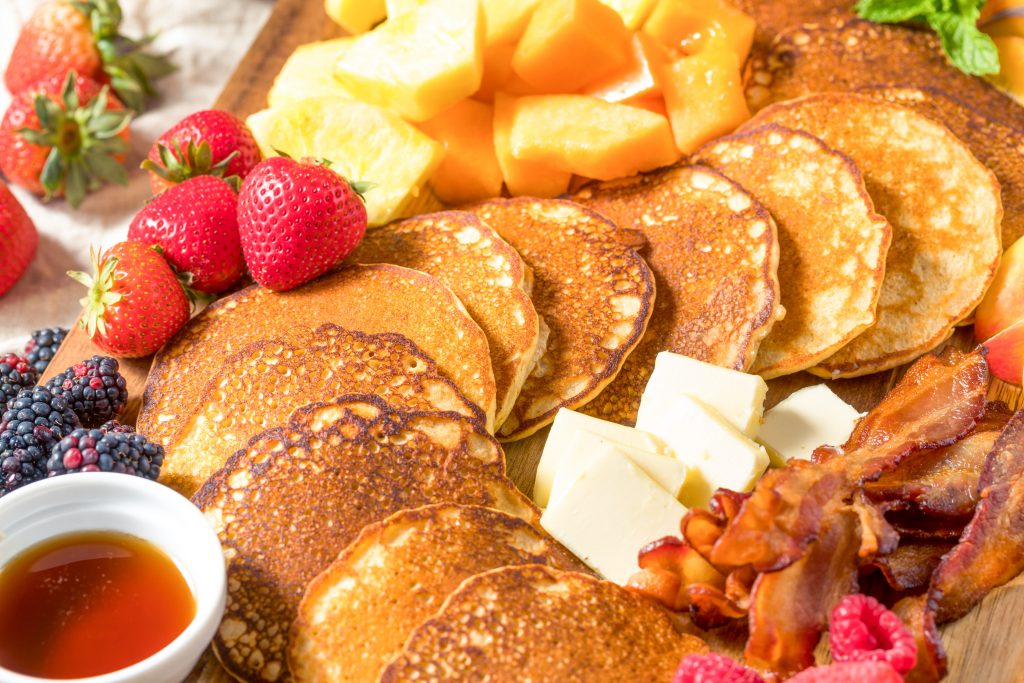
207, 39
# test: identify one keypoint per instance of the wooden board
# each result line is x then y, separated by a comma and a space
982, 646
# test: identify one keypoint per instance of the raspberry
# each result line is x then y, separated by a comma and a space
712, 668
94, 389
863, 630
849, 672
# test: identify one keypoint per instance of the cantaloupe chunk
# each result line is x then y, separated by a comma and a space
590, 137
419, 63
569, 43
1008, 26
469, 171
497, 71
1011, 66
653, 104
640, 77
633, 12
522, 177
309, 72
693, 25
356, 16
704, 96
363, 142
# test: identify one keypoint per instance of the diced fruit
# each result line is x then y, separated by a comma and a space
694, 25
507, 19
994, 7
704, 96
1008, 26
419, 63
396, 8
639, 78
569, 43
652, 104
309, 72
363, 142
356, 16
1003, 304
633, 12
1011, 65
590, 137
497, 71
1006, 353
522, 177
469, 171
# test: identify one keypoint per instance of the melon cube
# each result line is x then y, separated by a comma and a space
654, 104
590, 137
633, 12
704, 96
363, 142
640, 77
693, 25
469, 171
309, 72
507, 19
569, 43
397, 7
356, 16
497, 71
522, 177
419, 63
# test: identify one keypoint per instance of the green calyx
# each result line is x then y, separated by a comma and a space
178, 165
100, 295
83, 141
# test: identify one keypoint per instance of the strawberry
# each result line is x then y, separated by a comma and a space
64, 137
297, 220
210, 142
82, 36
135, 302
195, 226
18, 239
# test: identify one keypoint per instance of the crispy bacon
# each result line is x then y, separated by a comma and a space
931, 657
910, 566
667, 567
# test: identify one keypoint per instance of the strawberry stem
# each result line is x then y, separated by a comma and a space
100, 293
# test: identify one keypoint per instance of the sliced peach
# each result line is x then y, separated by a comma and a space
1003, 304
522, 177
469, 171
590, 137
1006, 353
693, 25
569, 43
704, 96
639, 77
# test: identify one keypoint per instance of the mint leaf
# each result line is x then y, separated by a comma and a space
895, 11
969, 49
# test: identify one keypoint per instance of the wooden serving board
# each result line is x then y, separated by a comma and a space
983, 647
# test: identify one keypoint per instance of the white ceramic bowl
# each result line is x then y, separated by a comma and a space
104, 501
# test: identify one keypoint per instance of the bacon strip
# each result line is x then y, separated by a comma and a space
910, 566
914, 612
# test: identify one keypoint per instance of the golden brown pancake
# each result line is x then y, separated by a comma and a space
832, 244
286, 505
775, 16
534, 623
371, 299
484, 271
997, 146
714, 252
259, 387
945, 212
357, 614
594, 294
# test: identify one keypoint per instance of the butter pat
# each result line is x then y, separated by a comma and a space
605, 509
716, 454
808, 418
573, 434
736, 396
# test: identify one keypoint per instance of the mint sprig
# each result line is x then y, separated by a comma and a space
955, 21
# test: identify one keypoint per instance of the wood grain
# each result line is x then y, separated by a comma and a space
982, 646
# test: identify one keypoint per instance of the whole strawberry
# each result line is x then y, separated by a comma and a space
196, 227
18, 239
297, 220
82, 36
135, 302
64, 136
210, 142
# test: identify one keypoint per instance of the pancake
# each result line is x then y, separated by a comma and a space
279, 377
534, 623
775, 16
997, 146
357, 614
832, 244
286, 505
371, 299
945, 212
487, 275
594, 294
714, 252
839, 54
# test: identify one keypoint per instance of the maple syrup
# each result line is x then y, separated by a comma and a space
88, 603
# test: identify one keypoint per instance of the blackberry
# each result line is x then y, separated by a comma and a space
115, 426
94, 389
43, 345
15, 374
35, 420
98, 450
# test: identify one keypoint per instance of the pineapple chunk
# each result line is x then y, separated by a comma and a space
363, 142
356, 16
522, 177
633, 12
470, 170
419, 63
308, 73
505, 19
590, 137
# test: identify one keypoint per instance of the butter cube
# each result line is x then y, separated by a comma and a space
808, 418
